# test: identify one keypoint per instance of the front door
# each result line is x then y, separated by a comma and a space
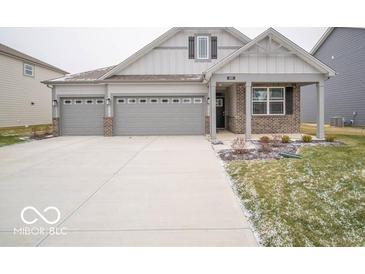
220, 112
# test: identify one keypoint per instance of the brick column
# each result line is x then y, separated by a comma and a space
56, 126
108, 126
207, 124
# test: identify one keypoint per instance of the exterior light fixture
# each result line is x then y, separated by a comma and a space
54, 103
108, 101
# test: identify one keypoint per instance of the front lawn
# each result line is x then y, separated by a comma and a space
316, 201
9, 140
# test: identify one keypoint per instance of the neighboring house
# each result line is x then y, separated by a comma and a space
193, 81
343, 49
24, 100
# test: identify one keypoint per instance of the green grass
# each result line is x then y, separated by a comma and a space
26, 131
316, 201
9, 140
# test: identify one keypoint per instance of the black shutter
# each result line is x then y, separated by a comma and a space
191, 47
289, 100
214, 47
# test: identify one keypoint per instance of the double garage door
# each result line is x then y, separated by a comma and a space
151, 115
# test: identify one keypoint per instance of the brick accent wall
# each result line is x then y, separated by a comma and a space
281, 123
264, 124
56, 126
108, 126
207, 124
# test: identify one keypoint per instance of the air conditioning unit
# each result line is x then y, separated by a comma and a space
337, 122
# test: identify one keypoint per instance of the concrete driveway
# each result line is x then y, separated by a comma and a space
118, 191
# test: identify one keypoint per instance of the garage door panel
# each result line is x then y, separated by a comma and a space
158, 118
82, 119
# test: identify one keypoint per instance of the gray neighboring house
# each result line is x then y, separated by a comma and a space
24, 100
343, 49
193, 81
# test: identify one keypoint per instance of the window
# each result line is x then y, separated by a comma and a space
186, 101
154, 101
132, 101
165, 101
28, 70
121, 101
176, 101
67, 102
99, 101
268, 101
198, 100
142, 101
89, 101
203, 47
219, 102
78, 101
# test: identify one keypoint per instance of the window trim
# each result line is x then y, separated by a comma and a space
97, 101
129, 101
198, 37
197, 100
157, 100
67, 100
189, 99
142, 103
268, 102
24, 69
86, 101
78, 100
178, 102
165, 103
121, 103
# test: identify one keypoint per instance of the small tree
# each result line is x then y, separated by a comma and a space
239, 145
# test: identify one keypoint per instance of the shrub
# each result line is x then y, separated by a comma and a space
239, 145
265, 139
285, 139
330, 138
276, 140
307, 138
265, 147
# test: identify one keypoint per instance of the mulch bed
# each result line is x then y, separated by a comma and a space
273, 153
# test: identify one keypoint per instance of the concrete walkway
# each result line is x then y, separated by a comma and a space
120, 191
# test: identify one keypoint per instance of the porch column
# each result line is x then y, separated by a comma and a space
248, 110
320, 110
212, 104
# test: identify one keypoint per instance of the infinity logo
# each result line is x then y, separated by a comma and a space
40, 215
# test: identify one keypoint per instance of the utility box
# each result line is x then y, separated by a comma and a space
337, 122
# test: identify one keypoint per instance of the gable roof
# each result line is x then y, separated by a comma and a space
164, 37
301, 53
321, 40
19, 55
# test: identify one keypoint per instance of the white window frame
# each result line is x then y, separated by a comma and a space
198, 100
76, 100
198, 41
27, 69
268, 100
189, 100
219, 102
143, 103
121, 103
178, 102
157, 100
67, 100
162, 101
99, 101
86, 101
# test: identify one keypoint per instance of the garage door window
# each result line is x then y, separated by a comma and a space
176, 101
78, 101
187, 101
67, 102
142, 101
89, 101
165, 101
154, 101
132, 101
198, 100
99, 101
121, 101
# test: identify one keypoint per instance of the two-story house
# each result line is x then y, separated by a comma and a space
24, 100
193, 81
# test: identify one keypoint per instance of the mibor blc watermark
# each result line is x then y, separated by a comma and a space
35, 222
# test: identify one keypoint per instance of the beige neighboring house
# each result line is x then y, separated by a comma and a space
24, 101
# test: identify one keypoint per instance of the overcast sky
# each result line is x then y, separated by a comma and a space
81, 49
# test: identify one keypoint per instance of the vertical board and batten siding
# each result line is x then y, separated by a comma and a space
172, 56
344, 93
254, 60
18, 91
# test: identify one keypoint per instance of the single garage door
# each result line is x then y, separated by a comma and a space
82, 116
181, 115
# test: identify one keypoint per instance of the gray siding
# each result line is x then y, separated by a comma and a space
17, 92
344, 93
